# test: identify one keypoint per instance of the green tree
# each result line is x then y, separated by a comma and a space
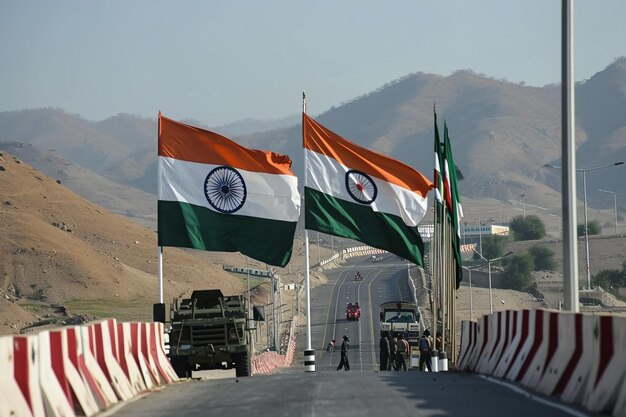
493, 246
527, 228
608, 279
593, 228
518, 272
543, 258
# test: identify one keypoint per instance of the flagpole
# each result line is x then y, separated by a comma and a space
158, 309
309, 353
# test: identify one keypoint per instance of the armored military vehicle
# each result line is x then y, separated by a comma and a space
209, 331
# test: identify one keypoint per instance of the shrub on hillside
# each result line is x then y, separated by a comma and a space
543, 258
527, 228
593, 228
518, 272
492, 247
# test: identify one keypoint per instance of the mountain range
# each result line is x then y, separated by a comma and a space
503, 136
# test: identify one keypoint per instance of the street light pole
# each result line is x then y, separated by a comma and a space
614, 204
586, 227
470, 291
489, 261
584, 171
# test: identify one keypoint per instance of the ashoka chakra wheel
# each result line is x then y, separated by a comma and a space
225, 189
361, 187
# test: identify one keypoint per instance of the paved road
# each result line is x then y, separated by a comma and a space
382, 282
362, 392
350, 394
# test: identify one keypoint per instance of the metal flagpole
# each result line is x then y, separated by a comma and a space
568, 156
309, 353
158, 310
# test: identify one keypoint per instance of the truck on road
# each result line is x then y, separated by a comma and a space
401, 317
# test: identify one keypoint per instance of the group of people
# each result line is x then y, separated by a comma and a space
394, 352
358, 276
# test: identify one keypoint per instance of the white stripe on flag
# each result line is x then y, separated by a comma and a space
326, 175
269, 196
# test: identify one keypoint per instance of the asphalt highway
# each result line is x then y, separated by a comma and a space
363, 391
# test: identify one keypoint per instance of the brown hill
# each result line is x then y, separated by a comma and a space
58, 248
502, 134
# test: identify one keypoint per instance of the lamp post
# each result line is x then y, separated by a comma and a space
470, 291
489, 261
614, 204
584, 171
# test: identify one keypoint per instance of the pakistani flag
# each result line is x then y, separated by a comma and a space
216, 195
359, 194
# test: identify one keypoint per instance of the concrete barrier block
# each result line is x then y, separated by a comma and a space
126, 360
12, 400
82, 397
516, 336
26, 371
55, 391
106, 354
90, 369
573, 383
608, 365
548, 344
149, 379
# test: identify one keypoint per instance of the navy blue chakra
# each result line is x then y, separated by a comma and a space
361, 187
225, 189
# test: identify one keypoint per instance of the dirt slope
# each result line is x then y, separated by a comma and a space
58, 248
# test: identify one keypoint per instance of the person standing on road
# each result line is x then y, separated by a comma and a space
344, 354
385, 352
403, 349
394, 352
425, 345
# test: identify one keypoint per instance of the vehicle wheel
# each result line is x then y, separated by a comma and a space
242, 364
181, 366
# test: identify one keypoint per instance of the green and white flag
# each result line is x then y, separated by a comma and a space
356, 193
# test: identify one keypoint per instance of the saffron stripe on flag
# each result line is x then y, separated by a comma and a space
184, 142
323, 141
327, 175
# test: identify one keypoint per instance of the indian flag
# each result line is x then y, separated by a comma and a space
359, 194
216, 195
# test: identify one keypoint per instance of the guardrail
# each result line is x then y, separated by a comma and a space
267, 362
81, 370
578, 357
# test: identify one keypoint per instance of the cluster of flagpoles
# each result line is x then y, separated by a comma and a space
446, 262
350, 191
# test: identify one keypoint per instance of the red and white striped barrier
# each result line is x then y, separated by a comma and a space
548, 342
608, 370
106, 354
55, 391
15, 403
580, 358
26, 372
126, 360
150, 375
157, 348
66, 347
509, 352
467, 348
482, 335
80, 370
575, 376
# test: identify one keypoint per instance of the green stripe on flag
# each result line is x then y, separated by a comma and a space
338, 217
190, 226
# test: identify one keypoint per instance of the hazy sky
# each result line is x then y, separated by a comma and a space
222, 61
